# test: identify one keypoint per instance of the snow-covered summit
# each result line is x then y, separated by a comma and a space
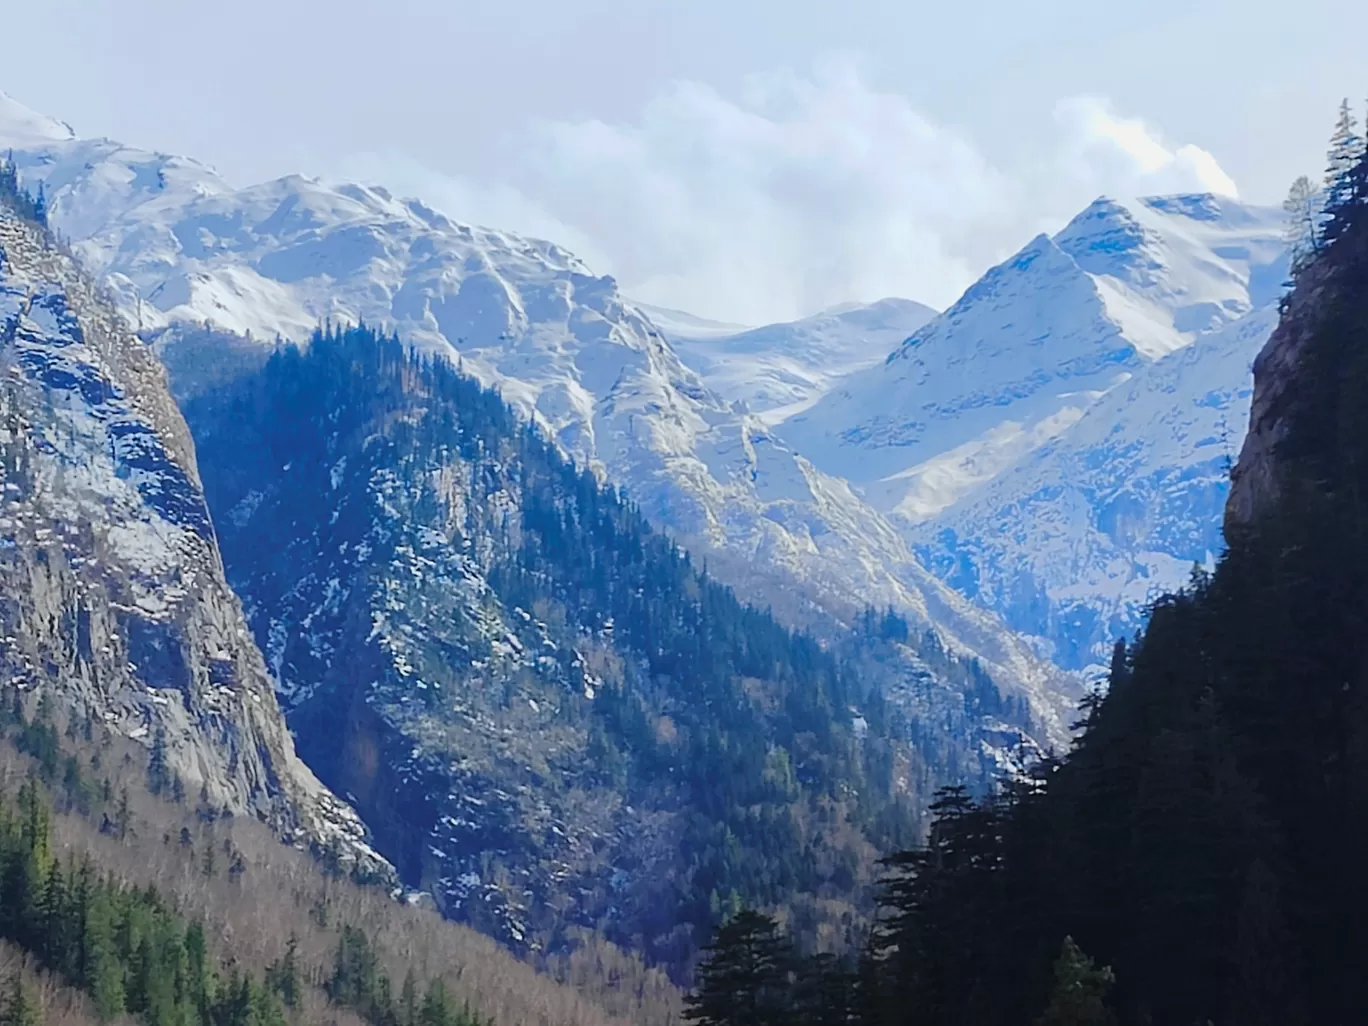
1034, 343
178, 244
997, 435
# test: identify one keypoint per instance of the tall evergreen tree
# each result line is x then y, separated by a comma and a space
1080, 991
743, 976
1345, 152
1303, 207
19, 1009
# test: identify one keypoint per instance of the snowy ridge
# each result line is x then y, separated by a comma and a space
1047, 443
180, 245
779, 369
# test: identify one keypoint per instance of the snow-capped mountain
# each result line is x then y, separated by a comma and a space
180, 245
779, 369
1054, 443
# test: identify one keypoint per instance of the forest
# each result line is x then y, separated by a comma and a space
699, 706
1196, 858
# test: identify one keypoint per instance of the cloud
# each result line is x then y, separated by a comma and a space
800, 191
1128, 157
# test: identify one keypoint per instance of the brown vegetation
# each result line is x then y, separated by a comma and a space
253, 893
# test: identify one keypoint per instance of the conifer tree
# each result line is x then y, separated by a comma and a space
20, 1009
741, 980
1346, 150
1302, 233
158, 772
1080, 991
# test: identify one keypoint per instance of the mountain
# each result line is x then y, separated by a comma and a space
178, 245
1082, 393
780, 368
551, 719
113, 602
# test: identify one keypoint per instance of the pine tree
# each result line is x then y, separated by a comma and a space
1303, 208
408, 1000
1346, 150
741, 980
20, 1009
158, 772
283, 975
1080, 991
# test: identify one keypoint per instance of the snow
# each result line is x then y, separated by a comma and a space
20, 126
1054, 445
561, 343
779, 369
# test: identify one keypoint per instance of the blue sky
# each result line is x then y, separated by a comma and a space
744, 160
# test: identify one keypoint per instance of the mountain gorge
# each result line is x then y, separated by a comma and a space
1196, 856
607, 621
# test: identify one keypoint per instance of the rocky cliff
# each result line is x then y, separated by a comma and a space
1253, 480
113, 600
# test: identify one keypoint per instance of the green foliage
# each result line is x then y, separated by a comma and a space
19, 1008
122, 945
744, 977
358, 982
19, 199
1080, 991
1207, 834
135, 955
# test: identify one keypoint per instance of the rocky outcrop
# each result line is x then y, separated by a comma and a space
1254, 478
113, 599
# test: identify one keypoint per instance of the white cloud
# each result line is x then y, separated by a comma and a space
800, 192
1126, 156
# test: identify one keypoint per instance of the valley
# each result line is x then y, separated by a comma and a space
562, 655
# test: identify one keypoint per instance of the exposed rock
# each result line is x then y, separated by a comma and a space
1253, 481
112, 594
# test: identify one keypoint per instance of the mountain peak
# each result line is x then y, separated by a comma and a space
22, 126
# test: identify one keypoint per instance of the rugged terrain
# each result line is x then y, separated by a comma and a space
112, 594
551, 719
181, 246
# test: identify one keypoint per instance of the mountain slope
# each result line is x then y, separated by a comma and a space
180, 246
779, 368
1075, 540
551, 720
113, 596
1078, 393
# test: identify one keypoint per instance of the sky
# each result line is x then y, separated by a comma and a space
746, 160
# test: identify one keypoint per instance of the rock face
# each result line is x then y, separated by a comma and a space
112, 594
1253, 481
